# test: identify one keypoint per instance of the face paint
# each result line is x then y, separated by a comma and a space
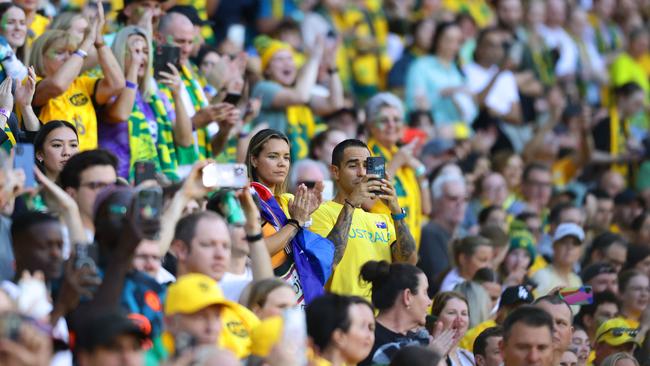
4, 21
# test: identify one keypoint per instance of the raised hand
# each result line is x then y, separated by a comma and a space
389, 195
100, 22
252, 213
172, 80
25, 92
193, 188
442, 340
6, 98
366, 190
299, 206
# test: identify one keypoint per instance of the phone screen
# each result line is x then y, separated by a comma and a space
232, 98
24, 159
144, 170
577, 295
165, 54
225, 176
149, 202
376, 165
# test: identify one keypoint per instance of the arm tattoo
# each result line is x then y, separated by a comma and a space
404, 247
340, 231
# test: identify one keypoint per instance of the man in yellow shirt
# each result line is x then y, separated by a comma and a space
202, 245
361, 236
196, 306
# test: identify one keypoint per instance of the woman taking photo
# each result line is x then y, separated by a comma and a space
62, 94
452, 311
268, 160
399, 293
154, 130
342, 328
55, 143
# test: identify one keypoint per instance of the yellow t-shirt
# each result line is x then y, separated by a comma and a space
76, 105
370, 238
236, 326
538, 264
407, 188
38, 26
625, 69
479, 10
467, 342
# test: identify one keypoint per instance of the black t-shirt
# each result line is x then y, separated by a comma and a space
387, 343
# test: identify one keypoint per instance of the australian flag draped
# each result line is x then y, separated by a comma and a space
312, 254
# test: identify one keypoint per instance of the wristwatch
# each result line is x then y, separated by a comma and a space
399, 216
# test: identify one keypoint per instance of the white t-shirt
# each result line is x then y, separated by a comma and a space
233, 284
559, 39
504, 93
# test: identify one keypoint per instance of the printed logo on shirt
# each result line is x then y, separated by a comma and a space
373, 237
237, 329
79, 99
381, 225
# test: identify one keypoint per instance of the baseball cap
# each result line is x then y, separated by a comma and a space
102, 329
569, 229
615, 332
437, 147
595, 269
193, 292
266, 335
516, 295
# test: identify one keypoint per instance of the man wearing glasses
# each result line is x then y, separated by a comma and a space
84, 176
613, 336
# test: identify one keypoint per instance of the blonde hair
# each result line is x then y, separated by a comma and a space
43, 44
64, 20
478, 301
120, 48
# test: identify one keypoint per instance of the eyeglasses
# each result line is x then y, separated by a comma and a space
617, 332
97, 185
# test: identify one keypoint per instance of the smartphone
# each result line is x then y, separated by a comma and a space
85, 255
583, 295
148, 206
295, 330
376, 165
232, 98
144, 170
233, 176
24, 159
165, 54
184, 342
328, 190
10, 323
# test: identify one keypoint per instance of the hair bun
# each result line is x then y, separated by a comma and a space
375, 271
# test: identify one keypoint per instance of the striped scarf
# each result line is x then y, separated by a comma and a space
162, 150
11, 142
300, 129
194, 89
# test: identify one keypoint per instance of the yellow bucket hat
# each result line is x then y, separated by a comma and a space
615, 332
267, 47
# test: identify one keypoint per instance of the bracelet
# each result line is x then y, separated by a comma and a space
399, 216
81, 53
350, 203
294, 223
130, 85
5, 113
254, 238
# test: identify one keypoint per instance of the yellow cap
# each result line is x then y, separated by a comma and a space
193, 292
266, 335
615, 332
461, 131
267, 47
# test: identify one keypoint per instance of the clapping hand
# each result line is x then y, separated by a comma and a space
25, 92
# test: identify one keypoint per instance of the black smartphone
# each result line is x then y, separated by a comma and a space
148, 206
165, 54
85, 255
24, 159
376, 165
232, 98
144, 170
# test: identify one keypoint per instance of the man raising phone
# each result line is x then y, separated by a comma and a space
360, 236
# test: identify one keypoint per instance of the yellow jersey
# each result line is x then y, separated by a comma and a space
236, 326
369, 239
467, 342
76, 105
38, 27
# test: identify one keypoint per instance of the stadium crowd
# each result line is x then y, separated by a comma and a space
325, 182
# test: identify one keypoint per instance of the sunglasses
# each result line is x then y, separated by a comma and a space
617, 332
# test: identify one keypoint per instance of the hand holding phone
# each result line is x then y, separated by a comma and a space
165, 54
144, 170
225, 176
148, 204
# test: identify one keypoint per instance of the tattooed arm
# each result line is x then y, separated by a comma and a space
339, 233
403, 248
